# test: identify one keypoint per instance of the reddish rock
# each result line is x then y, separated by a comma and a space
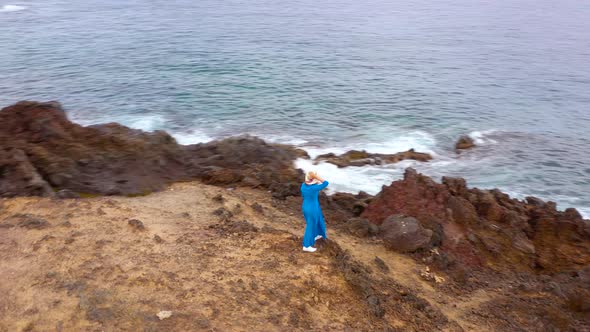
487, 227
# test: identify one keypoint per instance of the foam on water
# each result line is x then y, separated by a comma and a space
482, 137
417, 140
282, 139
351, 179
191, 137
11, 8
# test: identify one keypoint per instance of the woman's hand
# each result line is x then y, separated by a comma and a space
317, 177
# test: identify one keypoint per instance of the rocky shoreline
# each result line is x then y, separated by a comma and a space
472, 239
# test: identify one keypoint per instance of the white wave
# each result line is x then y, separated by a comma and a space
281, 139
352, 179
11, 8
584, 211
192, 137
145, 123
417, 140
481, 137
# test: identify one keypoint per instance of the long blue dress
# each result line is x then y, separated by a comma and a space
314, 219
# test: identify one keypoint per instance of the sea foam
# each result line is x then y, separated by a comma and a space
191, 137
417, 140
11, 8
482, 137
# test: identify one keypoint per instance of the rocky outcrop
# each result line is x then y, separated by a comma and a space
487, 227
42, 152
405, 234
464, 142
362, 158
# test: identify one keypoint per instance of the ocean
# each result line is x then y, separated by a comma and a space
328, 76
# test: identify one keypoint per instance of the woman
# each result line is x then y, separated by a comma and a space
316, 227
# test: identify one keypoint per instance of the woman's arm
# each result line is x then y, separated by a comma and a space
323, 185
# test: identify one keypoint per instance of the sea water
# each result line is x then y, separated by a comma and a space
328, 76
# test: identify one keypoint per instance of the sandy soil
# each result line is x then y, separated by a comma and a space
212, 259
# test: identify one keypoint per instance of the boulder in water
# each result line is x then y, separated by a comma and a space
362, 158
464, 142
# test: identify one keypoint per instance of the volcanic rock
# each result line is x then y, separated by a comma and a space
464, 142
487, 227
362, 158
404, 234
361, 227
42, 152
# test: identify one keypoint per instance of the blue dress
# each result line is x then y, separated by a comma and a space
312, 212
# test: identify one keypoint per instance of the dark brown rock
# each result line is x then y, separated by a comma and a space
362, 158
360, 227
42, 151
464, 142
136, 224
381, 264
405, 234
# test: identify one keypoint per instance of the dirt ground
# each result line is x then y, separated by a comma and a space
217, 259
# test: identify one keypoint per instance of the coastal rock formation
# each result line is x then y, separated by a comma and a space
404, 234
42, 152
464, 142
362, 158
487, 227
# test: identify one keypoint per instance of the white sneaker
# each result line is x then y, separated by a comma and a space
309, 249
318, 237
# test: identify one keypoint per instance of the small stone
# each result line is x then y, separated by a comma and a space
257, 207
158, 239
381, 264
137, 224
164, 314
218, 198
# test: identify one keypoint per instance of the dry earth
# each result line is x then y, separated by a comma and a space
218, 259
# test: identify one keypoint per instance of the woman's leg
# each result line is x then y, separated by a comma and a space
321, 227
309, 235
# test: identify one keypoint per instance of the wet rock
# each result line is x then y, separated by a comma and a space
136, 224
362, 158
464, 142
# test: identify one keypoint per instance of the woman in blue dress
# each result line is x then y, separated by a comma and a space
315, 225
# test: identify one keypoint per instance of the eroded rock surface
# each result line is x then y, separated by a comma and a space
362, 158
42, 152
487, 227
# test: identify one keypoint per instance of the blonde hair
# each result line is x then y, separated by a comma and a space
308, 175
